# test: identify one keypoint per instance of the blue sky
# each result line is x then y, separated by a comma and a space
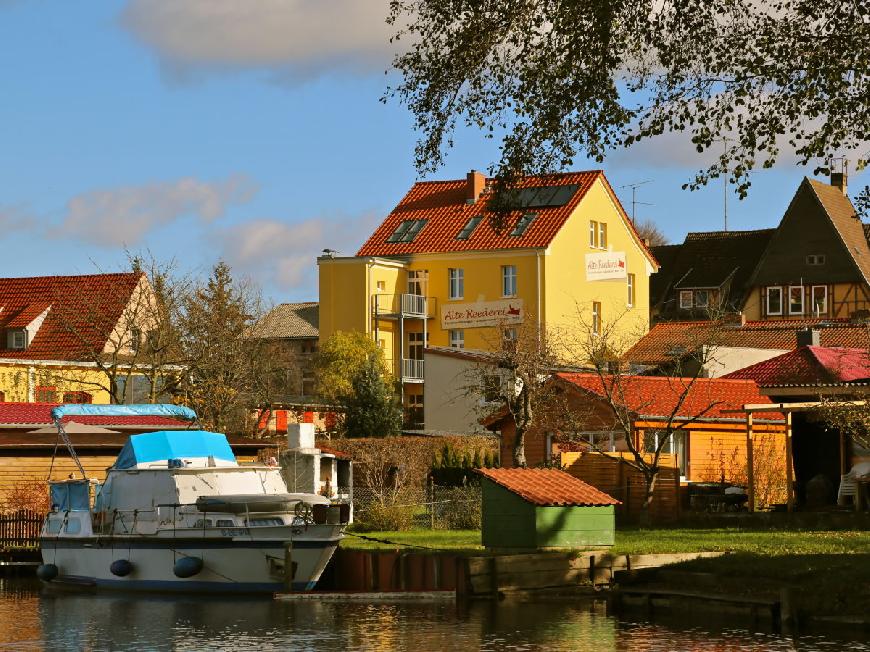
246, 131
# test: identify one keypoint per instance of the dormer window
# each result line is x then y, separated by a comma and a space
16, 339
407, 231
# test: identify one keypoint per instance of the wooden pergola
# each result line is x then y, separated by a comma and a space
788, 409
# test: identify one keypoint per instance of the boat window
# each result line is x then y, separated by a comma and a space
203, 522
53, 526
265, 521
73, 526
226, 522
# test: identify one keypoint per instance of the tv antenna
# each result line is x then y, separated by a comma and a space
634, 202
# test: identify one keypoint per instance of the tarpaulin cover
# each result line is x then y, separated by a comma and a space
70, 495
173, 444
146, 410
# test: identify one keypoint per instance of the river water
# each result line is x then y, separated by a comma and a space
31, 619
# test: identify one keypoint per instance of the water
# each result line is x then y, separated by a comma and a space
34, 620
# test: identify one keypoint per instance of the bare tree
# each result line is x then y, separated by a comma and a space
651, 233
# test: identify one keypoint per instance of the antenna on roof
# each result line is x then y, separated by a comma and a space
634, 201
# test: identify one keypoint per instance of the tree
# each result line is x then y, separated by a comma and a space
558, 81
222, 363
372, 408
649, 231
342, 356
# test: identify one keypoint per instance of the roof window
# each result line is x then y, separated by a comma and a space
469, 227
543, 196
523, 224
407, 231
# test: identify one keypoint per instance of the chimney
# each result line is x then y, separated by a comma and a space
808, 337
475, 183
734, 319
840, 180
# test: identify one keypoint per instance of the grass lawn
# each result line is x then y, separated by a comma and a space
650, 541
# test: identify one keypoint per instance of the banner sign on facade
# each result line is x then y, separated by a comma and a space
482, 313
605, 266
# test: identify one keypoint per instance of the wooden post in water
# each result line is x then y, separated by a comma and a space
789, 473
750, 463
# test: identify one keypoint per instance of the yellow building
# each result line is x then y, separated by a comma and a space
73, 339
437, 273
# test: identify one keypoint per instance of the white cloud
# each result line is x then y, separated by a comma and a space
291, 38
16, 218
123, 216
283, 254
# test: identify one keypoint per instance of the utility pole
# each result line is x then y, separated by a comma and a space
634, 201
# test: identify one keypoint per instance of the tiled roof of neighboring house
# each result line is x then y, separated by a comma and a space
548, 487
717, 259
667, 341
809, 365
844, 217
443, 204
83, 312
290, 321
37, 414
660, 396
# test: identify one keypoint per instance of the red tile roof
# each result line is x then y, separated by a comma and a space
548, 487
809, 365
667, 340
659, 396
38, 414
84, 310
443, 204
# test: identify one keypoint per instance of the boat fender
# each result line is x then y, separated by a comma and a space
121, 567
46, 572
187, 566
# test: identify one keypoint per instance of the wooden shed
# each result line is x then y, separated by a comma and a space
544, 508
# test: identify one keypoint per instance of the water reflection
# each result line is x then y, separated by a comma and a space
31, 619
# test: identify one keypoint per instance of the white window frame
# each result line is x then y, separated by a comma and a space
455, 283
593, 234
687, 294
802, 310
509, 280
629, 282
596, 318
457, 338
19, 339
824, 289
767, 300
602, 235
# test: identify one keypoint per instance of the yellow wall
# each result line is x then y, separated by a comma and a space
16, 380
567, 292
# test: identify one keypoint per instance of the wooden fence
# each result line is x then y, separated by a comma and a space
20, 529
615, 474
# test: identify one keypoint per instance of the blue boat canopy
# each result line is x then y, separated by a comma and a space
173, 444
146, 410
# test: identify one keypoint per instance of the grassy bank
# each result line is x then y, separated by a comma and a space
651, 541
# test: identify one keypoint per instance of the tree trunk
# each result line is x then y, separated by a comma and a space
520, 448
646, 510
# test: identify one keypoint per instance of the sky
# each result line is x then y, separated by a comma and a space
250, 132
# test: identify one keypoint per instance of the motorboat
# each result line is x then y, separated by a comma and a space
177, 512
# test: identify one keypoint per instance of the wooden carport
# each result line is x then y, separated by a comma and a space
788, 409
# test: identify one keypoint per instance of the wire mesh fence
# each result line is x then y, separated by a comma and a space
430, 507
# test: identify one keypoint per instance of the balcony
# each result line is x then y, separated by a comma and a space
393, 306
412, 371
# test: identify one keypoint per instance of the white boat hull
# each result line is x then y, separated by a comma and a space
238, 564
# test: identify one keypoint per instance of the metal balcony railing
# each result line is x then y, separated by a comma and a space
412, 370
407, 305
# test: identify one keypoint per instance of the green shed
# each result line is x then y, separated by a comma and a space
544, 508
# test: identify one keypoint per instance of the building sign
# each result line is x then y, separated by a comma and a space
606, 266
482, 313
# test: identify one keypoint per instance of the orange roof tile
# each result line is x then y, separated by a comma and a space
443, 204
84, 310
666, 340
548, 487
659, 396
